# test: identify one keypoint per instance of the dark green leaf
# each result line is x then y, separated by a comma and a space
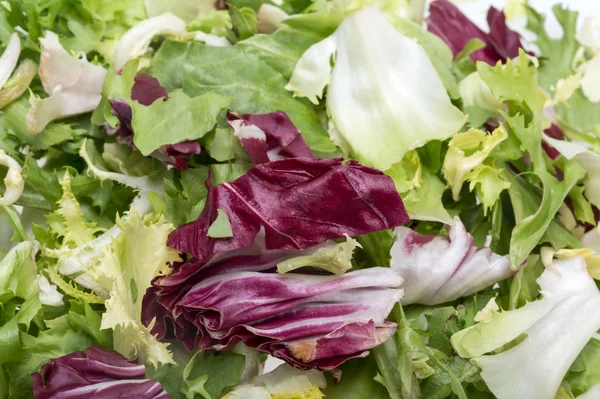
357, 382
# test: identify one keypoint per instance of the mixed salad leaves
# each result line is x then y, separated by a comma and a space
391, 201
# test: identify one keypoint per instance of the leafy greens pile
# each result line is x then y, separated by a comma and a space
392, 207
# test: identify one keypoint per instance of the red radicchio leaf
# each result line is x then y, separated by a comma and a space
269, 137
452, 26
275, 210
311, 321
146, 89
300, 202
97, 374
506, 42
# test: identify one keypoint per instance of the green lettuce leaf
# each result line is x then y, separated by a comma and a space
220, 228
13, 120
222, 145
584, 372
358, 381
526, 200
181, 118
244, 23
425, 202
488, 183
336, 260
517, 83
17, 272
208, 375
465, 156
557, 53
185, 195
257, 87
188, 10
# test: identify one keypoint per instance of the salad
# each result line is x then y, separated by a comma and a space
378, 194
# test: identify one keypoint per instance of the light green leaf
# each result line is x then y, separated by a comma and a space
530, 228
336, 260
226, 172
220, 228
425, 202
475, 93
517, 80
557, 53
580, 114
185, 197
207, 375
406, 174
82, 317
15, 221
134, 258
488, 183
181, 118
526, 200
13, 121
187, 10
18, 83
244, 23
223, 146
17, 272
582, 207
116, 86
585, 370
68, 220
466, 153
463, 65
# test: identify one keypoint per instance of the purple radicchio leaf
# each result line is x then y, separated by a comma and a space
505, 41
299, 202
453, 27
146, 89
97, 374
308, 320
440, 269
269, 137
